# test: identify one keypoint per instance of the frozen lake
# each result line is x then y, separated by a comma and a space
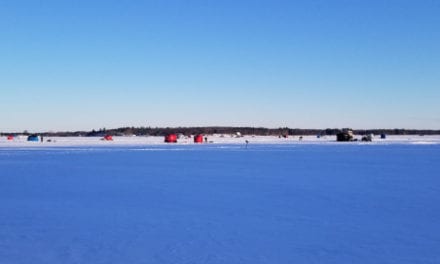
221, 203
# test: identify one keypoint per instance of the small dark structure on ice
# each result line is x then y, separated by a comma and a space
367, 138
346, 135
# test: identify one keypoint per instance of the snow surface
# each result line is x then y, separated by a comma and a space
20, 141
138, 200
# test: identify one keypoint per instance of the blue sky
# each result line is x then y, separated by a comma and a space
79, 65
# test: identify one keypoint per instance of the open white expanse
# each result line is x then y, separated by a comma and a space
20, 141
138, 200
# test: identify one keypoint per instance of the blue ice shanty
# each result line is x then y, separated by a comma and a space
33, 138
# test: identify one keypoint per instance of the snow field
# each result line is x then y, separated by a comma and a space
217, 203
20, 141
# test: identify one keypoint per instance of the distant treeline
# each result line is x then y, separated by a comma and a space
260, 131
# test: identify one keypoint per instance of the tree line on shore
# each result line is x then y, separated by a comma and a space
258, 131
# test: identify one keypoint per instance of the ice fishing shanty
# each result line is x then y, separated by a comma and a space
171, 138
198, 138
108, 138
346, 135
33, 138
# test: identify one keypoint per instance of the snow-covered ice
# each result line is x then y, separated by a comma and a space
138, 200
20, 141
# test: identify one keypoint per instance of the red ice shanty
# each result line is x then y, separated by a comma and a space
10, 137
171, 138
108, 137
198, 138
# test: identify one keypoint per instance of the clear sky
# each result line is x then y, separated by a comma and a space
79, 65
